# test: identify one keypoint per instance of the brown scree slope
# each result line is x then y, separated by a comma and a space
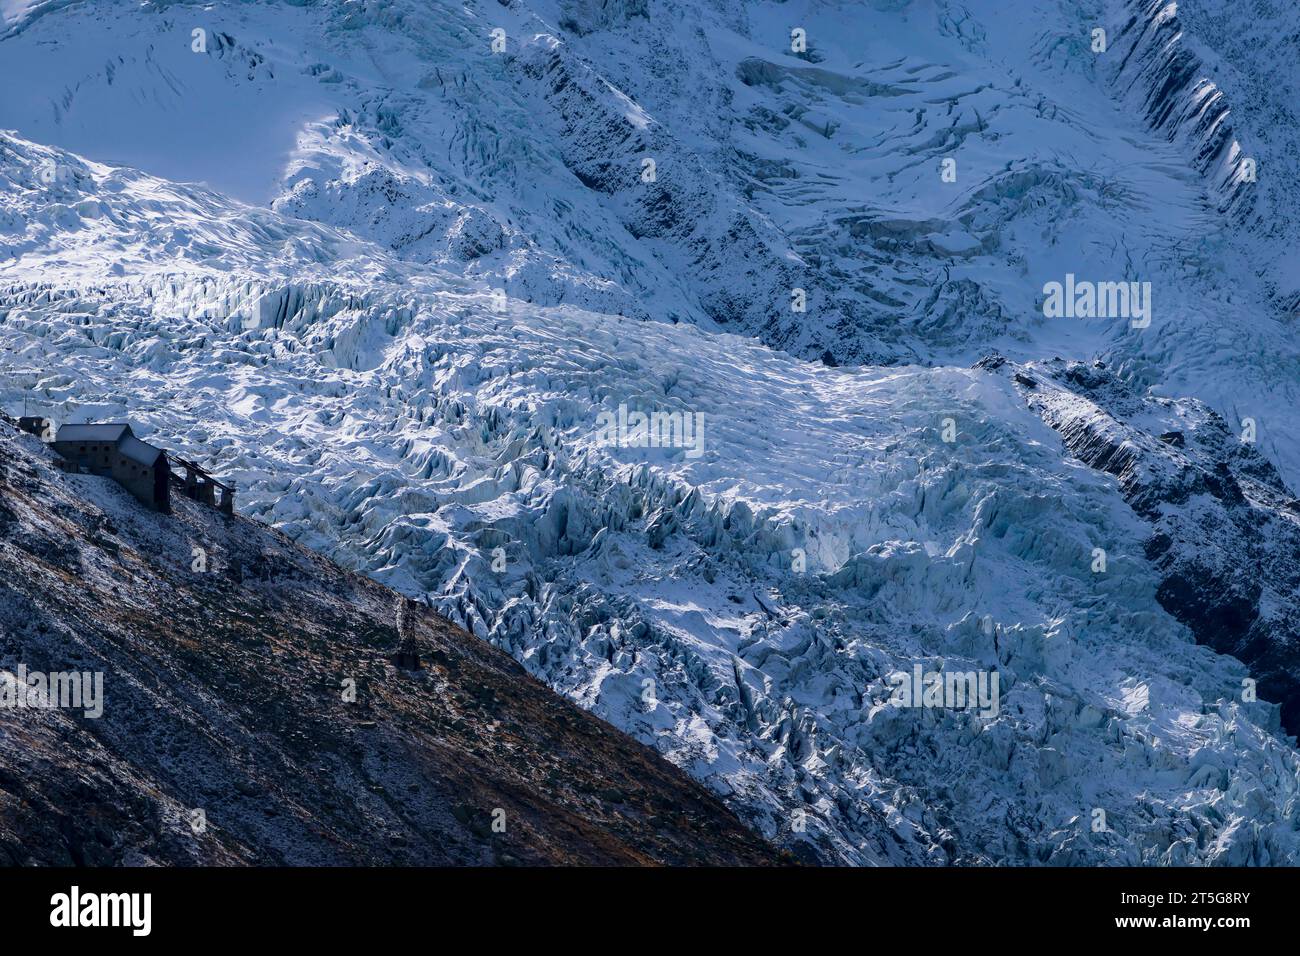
224, 693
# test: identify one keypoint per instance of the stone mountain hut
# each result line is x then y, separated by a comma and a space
113, 451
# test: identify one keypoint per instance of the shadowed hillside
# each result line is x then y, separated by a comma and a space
224, 692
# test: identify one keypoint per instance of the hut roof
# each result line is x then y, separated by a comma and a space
116, 433
107, 432
139, 451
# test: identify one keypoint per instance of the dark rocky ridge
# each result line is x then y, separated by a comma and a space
223, 692
1225, 528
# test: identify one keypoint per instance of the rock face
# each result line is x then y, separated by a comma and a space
1225, 528
228, 732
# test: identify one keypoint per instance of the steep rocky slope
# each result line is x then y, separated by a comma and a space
224, 693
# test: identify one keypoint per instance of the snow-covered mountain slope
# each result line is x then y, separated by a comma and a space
774, 170
338, 348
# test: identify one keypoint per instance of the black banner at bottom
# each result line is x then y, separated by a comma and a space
335, 906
